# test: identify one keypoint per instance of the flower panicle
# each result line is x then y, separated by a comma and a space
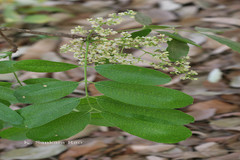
107, 48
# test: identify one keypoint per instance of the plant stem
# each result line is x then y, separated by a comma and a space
85, 68
17, 79
132, 29
122, 49
15, 75
88, 66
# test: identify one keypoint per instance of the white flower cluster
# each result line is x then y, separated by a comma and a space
106, 48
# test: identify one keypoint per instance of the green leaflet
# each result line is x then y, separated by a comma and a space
161, 26
7, 67
38, 18
97, 119
147, 96
33, 114
10, 15
179, 38
36, 65
89, 103
201, 29
163, 133
1, 124
141, 33
36, 9
232, 44
10, 116
6, 84
49, 91
5, 102
157, 115
86, 104
132, 74
39, 80
61, 128
177, 50
7, 95
143, 19
13, 133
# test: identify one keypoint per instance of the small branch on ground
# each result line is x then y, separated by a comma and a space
10, 42
57, 34
14, 46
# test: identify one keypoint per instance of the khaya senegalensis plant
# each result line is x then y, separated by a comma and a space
131, 100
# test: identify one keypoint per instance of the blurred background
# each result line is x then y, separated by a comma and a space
216, 92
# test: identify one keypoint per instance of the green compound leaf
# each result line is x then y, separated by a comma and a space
156, 115
232, 44
36, 65
177, 50
39, 80
7, 67
33, 114
97, 119
61, 128
143, 19
13, 133
179, 38
132, 74
7, 95
10, 116
142, 33
49, 91
142, 95
6, 84
162, 132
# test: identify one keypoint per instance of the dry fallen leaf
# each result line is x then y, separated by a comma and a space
191, 141
10, 144
210, 149
76, 151
202, 114
226, 20
41, 152
155, 158
226, 124
93, 91
231, 156
223, 139
219, 106
141, 149
169, 5
39, 49
183, 1
235, 82
127, 157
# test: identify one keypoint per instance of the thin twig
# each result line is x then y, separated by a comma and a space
10, 42
56, 34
